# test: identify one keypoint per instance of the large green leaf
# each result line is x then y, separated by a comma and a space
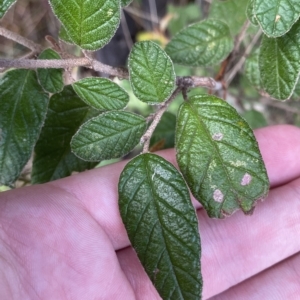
23, 110
4, 6
232, 12
219, 156
201, 44
110, 135
162, 226
151, 73
276, 17
50, 79
89, 24
101, 93
53, 157
279, 63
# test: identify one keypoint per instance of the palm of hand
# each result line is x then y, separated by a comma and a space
65, 240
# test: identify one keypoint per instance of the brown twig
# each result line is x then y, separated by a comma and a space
156, 118
20, 40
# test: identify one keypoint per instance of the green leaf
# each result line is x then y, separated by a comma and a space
101, 93
164, 133
276, 17
251, 12
252, 70
4, 6
219, 156
110, 135
279, 63
125, 2
53, 157
255, 119
23, 110
162, 226
201, 44
89, 24
151, 73
232, 12
50, 79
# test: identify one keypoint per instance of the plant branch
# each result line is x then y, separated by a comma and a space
20, 40
242, 60
156, 118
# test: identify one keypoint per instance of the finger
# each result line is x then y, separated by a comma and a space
97, 189
239, 247
136, 275
280, 149
278, 282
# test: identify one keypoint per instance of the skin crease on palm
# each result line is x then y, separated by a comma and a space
66, 240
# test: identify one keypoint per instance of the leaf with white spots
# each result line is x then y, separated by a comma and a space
151, 71
219, 156
89, 24
162, 226
276, 17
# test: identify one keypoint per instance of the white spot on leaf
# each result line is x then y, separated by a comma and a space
277, 18
218, 196
246, 179
217, 136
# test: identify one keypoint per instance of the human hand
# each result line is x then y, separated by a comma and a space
66, 240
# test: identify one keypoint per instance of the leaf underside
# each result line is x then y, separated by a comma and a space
219, 156
23, 110
162, 226
53, 157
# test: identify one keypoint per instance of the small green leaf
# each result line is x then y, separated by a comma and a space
50, 79
252, 70
125, 2
4, 6
219, 156
110, 135
53, 157
165, 131
279, 63
23, 110
151, 73
201, 44
231, 12
251, 12
276, 17
89, 24
101, 93
162, 226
